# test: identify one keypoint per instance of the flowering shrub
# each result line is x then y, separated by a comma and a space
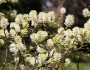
4, 1
37, 41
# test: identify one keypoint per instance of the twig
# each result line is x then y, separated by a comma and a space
78, 64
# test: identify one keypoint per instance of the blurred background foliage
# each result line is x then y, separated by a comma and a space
23, 6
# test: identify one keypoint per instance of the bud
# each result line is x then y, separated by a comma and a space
1, 42
62, 10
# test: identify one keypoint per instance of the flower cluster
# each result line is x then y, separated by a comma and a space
86, 12
4, 23
39, 36
4, 1
62, 10
69, 21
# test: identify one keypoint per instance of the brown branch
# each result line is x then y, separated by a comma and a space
78, 64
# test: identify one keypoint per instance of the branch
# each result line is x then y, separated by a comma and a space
78, 64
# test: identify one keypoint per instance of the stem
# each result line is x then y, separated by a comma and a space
25, 64
78, 64
17, 63
6, 56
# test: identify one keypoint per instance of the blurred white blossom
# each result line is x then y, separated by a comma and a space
13, 48
50, 16
39, 36
87, 25
33, 18
2, 33
18, 39
14, 1
15, 26
67, 60
2, 42
42, 57
4, 23
69, 21
31, 60
21, 46
42, 17
12, 33
57, 56
16, 59
86, 12
62, 10
61, 29
50, 43
22, 67
13, 13
40, 50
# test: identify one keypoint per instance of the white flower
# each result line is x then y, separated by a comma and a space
62, 10
4, 23
42, 17
50, 43
13, 1
60, 30
26, 17
57, 56
22, 67
13, 13
13, 48
42, 34
16, 59
69, 21
2, 1
21, 46
40, 50
87, 25
19, 18
42, 58
67, 61
76, 31
27, 59
86, 12
31, 60
34, 37
18, 39
2, 33
39, 36
50, 16
6, 33
33, 16
25, 24
34, 24
12, 33
68, 32
15, 26
2, 42
52, 52
58, 38
24, 32
1, 15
